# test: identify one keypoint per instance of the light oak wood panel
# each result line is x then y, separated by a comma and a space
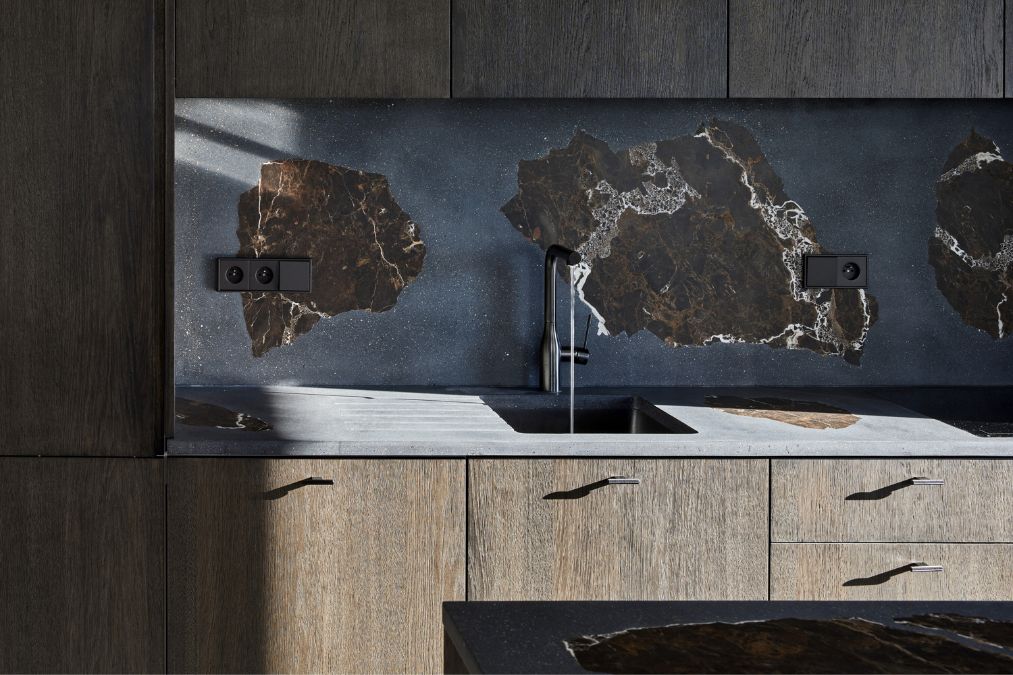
267, 574
82, 576
809, 500
596, 48
819, 572
692, 529
82, 265
859, 48
313, 48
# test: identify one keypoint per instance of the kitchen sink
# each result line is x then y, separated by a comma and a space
592, 414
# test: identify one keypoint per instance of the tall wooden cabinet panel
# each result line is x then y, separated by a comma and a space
589, 48
1008, 51
273, 570
829, 48
81, 265
313, 48
551, 530
82, 576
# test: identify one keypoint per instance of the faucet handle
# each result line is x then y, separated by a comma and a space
580, 354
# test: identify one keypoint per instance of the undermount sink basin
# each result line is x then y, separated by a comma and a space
592, 414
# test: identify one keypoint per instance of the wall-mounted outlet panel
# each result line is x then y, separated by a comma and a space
836, 271
293, 275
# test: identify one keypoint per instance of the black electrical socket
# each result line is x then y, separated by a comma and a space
836, 271
264, 274
233, 274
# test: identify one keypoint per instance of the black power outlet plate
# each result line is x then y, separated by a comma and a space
294, 275
836, 271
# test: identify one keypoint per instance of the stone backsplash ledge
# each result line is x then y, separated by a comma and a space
426, 222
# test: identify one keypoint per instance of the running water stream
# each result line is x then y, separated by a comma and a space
573, 363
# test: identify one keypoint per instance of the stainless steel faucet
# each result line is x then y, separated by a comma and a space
550, 342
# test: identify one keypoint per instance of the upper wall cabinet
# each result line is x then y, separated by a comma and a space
82, 261
313, 48
589, 48
866, 48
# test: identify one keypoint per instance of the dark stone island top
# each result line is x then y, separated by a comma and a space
729, 637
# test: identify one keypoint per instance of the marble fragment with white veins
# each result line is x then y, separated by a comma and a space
972, 246
365, 249
691, 238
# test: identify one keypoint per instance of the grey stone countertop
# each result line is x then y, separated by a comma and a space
456, 422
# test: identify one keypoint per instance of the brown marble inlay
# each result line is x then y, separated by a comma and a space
201, 414
781, 646
365, 249
997, 633
972, 246
807, 414
693, 239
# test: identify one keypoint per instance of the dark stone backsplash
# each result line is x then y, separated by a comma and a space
692, 234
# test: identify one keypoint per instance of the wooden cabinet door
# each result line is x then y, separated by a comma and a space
273, 570
860, 48
82, 576
597, 48
313, 48
549, 529
82, 264
880, 500
883, 572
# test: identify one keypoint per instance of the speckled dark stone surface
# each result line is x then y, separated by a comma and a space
865, 173
364, 248
692, 239
972, 247
727, 637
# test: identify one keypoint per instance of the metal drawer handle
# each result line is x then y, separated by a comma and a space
926, 568
622, 480
314, 480
927, 481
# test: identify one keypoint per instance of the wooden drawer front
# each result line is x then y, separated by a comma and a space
879, 572
692, 529
874, 500
269, 573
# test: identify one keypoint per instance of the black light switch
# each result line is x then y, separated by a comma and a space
836, 271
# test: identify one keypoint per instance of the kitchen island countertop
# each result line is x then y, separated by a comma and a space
729, 637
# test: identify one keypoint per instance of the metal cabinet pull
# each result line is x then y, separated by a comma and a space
926, 481
926, 568
622, 480
314, 480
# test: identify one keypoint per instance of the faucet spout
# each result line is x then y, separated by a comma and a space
550, 342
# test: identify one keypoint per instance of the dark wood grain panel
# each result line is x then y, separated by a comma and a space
1007, 83
268, 573
589, 48
866, 48
82, 575
313, 48
81, 265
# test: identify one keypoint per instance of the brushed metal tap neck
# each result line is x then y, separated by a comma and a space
550, 342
